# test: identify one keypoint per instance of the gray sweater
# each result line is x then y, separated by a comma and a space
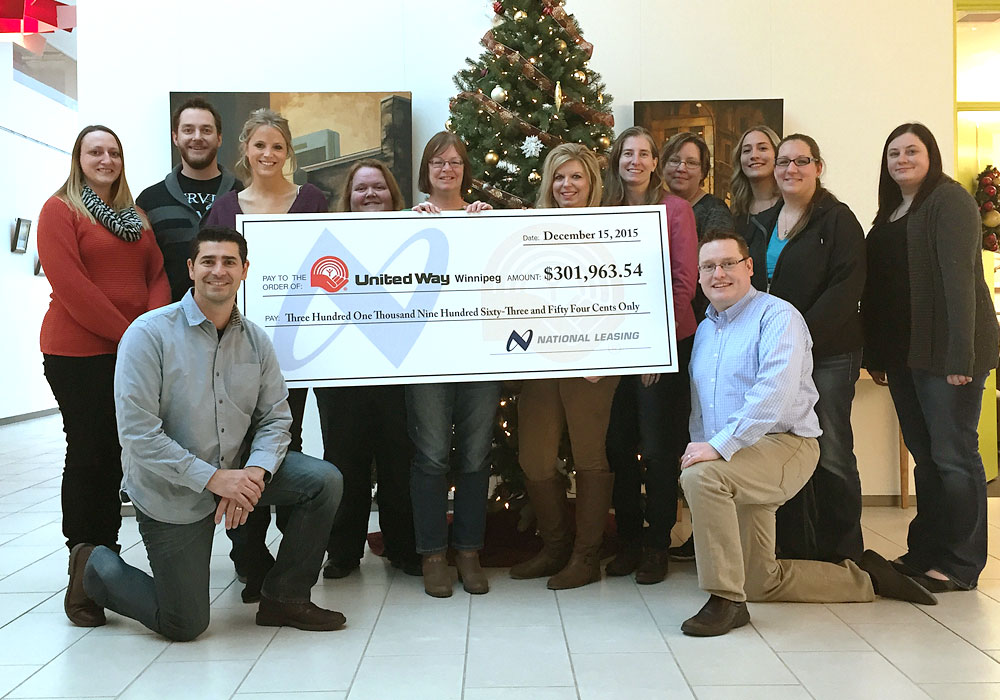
953, 324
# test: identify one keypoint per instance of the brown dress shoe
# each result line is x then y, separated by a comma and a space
471, 575
716, 617
81, 610
437, 578
304, 616
653, 567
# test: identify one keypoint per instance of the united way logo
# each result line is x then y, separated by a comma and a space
329, 273
517, 340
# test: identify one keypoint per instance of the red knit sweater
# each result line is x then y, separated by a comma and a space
100, 283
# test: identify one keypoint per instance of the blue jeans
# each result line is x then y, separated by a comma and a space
940, 427
652, 420
174, 600
432, 410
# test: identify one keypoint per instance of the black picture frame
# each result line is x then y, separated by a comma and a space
19, 236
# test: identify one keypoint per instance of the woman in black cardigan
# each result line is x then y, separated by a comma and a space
931, 334
815, 259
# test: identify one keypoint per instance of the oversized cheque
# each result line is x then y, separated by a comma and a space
402, 298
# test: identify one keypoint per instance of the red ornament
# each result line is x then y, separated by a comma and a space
987, 206
498, 7
547, 10
990, 242
987, 180
990, 190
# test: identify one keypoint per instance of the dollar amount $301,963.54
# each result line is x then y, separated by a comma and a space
609, 271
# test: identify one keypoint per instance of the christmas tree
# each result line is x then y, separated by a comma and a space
987, 193
531, 90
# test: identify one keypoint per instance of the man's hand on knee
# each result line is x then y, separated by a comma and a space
240, 485
235, 515
698, 452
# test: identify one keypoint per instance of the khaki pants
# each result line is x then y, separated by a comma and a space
546, 406
732, 513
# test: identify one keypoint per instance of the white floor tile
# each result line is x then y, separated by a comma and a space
518, 657
514, 604
437, 677
37, 638
13, 676
850, 675
748, 659
612, 626
930, 653
972, 615
322, 661
962, 691
205, 680
803, 627
231, 635
751, 692
330, 695
93, 666
628, 676
425, 629
14, 605
511, 694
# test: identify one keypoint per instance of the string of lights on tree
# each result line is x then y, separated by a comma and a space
531, 90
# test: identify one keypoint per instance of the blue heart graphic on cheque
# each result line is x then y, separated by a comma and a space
394, 340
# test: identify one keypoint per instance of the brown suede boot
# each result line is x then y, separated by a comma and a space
593, 499
471, 575
437, 577
548, 496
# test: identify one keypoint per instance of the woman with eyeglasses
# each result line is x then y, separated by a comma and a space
686, 161
931, 335
650, 412
571, 177
105, 269
815, 259
434, 409
755, 195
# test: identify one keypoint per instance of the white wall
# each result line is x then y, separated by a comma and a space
848, 72
33, 168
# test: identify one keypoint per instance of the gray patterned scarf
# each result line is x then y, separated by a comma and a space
125, 224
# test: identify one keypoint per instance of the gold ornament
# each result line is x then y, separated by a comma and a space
600, 98
558, 95
560, 45
991, 219
498, 94
579, 76
605, 142
533, 60
449, 125
520, 16
534, 178
491, 158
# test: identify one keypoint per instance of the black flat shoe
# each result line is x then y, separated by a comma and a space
935, 585
888, 582
905, 569
335, 569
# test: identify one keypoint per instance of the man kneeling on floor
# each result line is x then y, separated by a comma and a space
204, 421
753, 446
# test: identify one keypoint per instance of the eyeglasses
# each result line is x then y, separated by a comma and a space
690, 163
438, 164
801, 161
727, 266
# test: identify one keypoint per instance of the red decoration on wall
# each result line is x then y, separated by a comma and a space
21, 17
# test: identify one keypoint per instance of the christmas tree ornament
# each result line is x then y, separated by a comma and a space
991, 219
531, 147
508, 166
534, 178
498, 8
579, 76
558, 96
988, 206
987, 180
498, 94
491, 158
520, 16
991, 190
560, 45
605, 142
449, 125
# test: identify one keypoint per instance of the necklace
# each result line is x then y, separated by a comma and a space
785, 226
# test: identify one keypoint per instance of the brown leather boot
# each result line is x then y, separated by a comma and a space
437, 577
471, 575
593, 499
548, 497
80, 609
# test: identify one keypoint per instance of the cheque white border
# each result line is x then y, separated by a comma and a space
405, 298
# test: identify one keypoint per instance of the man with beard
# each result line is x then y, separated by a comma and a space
176, 205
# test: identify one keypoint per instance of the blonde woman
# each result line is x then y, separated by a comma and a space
105, 268
570, 178
755, 194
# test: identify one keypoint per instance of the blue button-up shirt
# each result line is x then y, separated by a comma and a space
189, 402
751, 374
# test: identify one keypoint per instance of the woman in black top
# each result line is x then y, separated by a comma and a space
931, 334
755, 194
686, 161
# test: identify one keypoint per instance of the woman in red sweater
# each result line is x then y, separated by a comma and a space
105, 268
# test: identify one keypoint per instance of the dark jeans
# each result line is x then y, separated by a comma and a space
249, 550
174, 601
940, 427
823, 521
361, 424
432, 410
652, 421
92, 476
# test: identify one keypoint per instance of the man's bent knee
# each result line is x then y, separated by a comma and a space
183, 627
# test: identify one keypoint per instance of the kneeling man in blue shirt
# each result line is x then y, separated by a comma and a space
203, 420
753, 446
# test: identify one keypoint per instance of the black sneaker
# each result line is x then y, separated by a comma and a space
684, 552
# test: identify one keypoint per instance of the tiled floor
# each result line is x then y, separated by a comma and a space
604, 641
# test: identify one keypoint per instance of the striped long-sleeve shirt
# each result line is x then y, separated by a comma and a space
751, 374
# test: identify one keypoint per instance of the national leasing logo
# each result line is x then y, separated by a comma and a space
329, 273
516, 339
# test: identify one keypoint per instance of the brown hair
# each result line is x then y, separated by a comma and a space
739, 183
558, 157
674, 143
195, 103
439, 142
820, 191
345, 195
614, 187
721, 234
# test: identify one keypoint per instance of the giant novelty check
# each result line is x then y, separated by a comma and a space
404, 298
